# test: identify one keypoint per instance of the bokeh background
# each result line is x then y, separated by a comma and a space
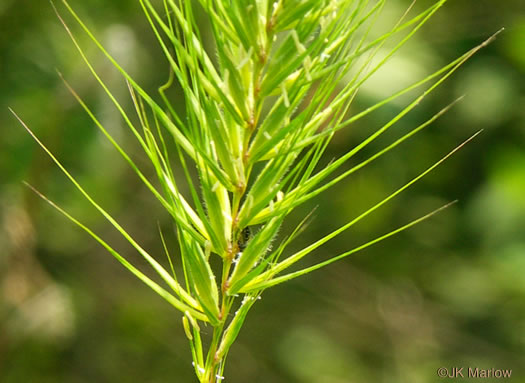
447, 293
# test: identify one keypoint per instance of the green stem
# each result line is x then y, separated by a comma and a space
212, 364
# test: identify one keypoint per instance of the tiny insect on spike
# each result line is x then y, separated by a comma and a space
245, 236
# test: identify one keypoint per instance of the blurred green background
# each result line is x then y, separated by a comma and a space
449, 292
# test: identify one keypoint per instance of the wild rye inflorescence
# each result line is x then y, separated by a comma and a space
259, 113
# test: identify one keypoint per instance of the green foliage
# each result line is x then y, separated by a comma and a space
260, 112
